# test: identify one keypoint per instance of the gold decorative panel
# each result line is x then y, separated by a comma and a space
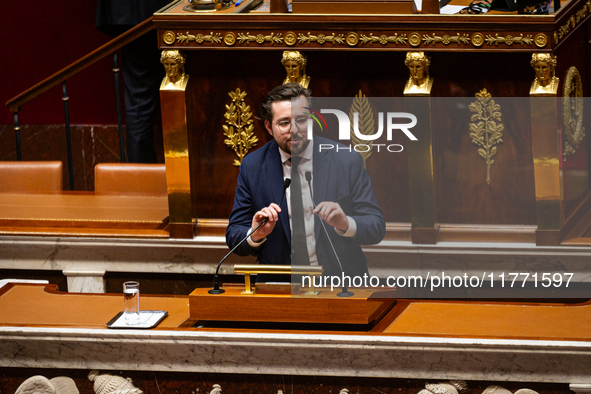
239, 128
486, 128
572, 111
365, 123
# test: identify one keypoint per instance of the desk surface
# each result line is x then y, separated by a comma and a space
82, 214
43, 306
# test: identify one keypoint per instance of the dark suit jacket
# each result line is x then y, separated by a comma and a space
337, 176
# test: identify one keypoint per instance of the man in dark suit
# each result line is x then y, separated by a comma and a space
339, 183
141, 69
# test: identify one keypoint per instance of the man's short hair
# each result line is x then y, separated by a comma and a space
282, 93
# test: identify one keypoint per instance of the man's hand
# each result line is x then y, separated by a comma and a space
272, 213
333, 214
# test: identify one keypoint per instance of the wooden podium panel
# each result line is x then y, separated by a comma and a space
364, 307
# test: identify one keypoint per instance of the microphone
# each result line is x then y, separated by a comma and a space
216, 280
344, 292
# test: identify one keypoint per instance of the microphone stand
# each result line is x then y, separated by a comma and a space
344, 291
216, 280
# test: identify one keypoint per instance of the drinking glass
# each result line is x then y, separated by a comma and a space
131, 302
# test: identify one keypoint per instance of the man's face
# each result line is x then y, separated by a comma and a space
284, 128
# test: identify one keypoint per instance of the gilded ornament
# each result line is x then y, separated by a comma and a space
295, 67
174, 66
383, 39
290, 38
361, 109
544, 65
581, 14
321, 39
541, 40
509, 40
199, 38
239, 128
352, 39
260, 38
168, 37
230, 39
446, 40
567, 27
486, 129
477, 39
572, 111
414, 39
419, 81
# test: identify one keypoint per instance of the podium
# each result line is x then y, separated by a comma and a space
365, 307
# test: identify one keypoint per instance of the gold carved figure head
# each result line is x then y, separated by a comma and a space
418, 65
544, 65
174, 65
295, 66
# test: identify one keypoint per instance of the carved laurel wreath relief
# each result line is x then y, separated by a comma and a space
572, 111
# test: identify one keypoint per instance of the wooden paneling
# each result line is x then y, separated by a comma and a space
337, 74
463, 195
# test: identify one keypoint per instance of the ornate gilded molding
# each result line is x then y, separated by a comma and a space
168, 37
572, 111
414, 39
477, 39
366, 125
290, 38
199, 38
572, 22
260, 38
541, 40
508, 40
321, 38
352, 39
446, 40
230, 39
239, 128
486, 128
383, 39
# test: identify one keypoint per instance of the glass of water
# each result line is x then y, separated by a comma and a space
131, 304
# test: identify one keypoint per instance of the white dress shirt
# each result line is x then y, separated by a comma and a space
305, 166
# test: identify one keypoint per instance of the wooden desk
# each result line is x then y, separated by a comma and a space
43, 306
83, 214
491, 342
